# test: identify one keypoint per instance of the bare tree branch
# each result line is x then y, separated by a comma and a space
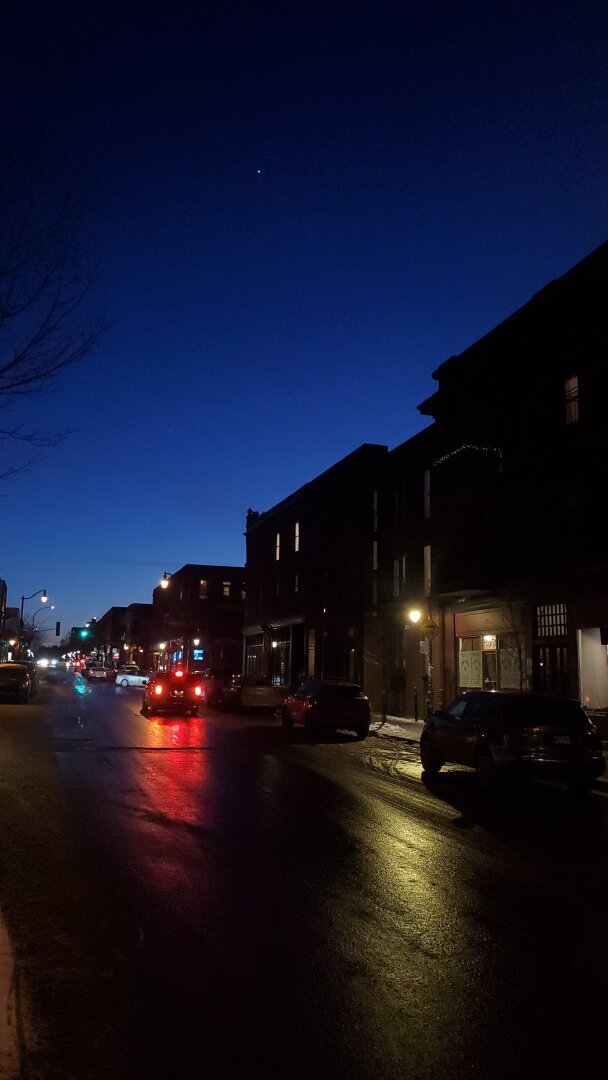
46, 281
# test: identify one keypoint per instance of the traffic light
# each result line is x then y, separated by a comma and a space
83, 633
57, 629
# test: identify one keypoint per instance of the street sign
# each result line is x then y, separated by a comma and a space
429, 628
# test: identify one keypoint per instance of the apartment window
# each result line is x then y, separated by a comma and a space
404, 568
243, 594
296, 536
202, 589
551, 620
375, 508
427, 493
571, 399
277, 547
396, 579
427, 570
296, 583
225, 588
374, 554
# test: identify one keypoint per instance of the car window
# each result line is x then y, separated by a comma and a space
531, 711
455, 711
339, 691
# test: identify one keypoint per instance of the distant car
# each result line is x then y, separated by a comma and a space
328, 705
15, 683
99, 672
513, 735
250, 692
132, 677
214, 681
172, 692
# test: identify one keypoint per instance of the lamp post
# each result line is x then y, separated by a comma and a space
44, 599
415, 615
164, 584
52, 608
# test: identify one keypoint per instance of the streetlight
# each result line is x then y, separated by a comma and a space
44, 599
164, 581
52, 608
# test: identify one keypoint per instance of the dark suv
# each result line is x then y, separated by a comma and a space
327, 705
172, 692
509, 735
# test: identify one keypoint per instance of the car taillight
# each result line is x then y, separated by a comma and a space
178, 674
198, 690
158, 690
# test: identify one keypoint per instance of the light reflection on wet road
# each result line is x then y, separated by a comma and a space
312, 910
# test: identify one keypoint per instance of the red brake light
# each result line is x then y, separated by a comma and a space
178, 674
158, 689
198, 690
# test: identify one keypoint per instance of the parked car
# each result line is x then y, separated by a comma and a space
15, 684
328, 705
32, 670
214, 681
510, 735
132, 677
173, 691
250, 692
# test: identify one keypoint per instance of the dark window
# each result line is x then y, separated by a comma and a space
456, 710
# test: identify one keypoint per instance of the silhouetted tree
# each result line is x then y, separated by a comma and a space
46, 276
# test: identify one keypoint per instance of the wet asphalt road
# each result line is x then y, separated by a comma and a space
215, 897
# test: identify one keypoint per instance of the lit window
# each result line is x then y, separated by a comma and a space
571, 399
243, 594
296, 536
202, 589
427, 493
551, 620
225, 588
277, 547
395, 577
374, 554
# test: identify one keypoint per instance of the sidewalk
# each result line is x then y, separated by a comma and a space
408, 730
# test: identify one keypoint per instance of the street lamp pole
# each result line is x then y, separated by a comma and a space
44, 599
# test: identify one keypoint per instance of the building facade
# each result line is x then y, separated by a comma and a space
312, 571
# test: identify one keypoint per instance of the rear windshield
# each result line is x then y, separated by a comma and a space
545, 712
9, 675
346, 691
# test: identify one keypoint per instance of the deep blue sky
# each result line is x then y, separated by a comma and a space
300, 212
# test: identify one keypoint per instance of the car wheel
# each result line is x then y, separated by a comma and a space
362, 732
429, 759
145, 709
124, 682
485, 770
